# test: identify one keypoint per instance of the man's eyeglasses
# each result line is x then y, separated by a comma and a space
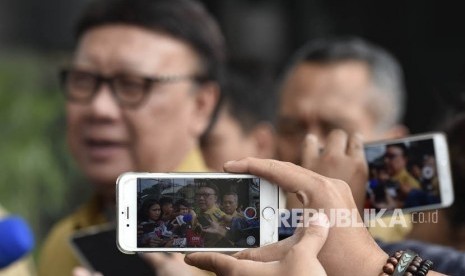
391, 156
129, 90
204, 195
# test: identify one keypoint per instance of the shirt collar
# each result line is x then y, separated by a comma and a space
193, 162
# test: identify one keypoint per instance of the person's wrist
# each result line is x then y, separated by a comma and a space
376, 263
434, 273
365, 261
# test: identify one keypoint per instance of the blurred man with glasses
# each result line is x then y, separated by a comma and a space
140, 92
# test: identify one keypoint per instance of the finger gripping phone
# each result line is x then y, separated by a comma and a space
182, 212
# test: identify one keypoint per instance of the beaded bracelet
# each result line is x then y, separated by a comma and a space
406, 263
425, 266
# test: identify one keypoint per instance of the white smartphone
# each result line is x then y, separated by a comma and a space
411, 173
182, 212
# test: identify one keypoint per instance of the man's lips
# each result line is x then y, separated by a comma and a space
99, 148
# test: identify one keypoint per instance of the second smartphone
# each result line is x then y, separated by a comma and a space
411, 173
195, 212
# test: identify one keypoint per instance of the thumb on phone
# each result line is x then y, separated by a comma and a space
223, 264
312, 238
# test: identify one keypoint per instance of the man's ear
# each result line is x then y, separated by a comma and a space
395, 132
264, 139
206, 99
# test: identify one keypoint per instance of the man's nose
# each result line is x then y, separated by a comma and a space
104, 104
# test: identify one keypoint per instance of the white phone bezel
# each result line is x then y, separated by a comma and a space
441, 152
126, 198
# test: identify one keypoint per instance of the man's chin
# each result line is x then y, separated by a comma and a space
104, 172
102, 177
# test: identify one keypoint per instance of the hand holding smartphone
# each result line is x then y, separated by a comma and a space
410, 173
211, 212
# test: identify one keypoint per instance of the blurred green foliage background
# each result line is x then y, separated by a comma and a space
37, 177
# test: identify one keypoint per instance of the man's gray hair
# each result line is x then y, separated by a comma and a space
387, 100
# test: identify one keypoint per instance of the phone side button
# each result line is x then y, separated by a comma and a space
268, 213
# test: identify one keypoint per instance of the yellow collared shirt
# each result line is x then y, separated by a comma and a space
56, 257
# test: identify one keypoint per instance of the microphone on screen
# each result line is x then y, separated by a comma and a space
183, 219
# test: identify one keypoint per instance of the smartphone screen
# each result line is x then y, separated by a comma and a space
198, 212
408, 174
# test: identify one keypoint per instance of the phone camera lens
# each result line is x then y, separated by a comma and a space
127, 225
